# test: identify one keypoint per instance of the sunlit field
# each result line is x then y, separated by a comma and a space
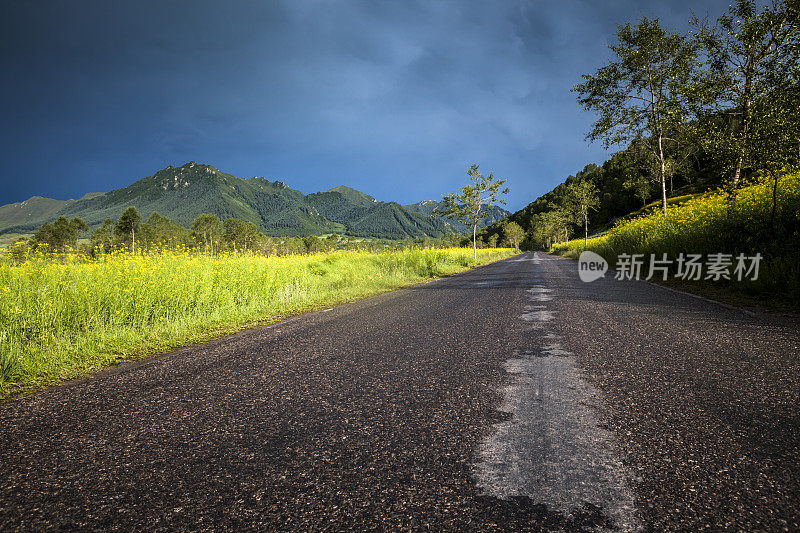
63, 317
711, 223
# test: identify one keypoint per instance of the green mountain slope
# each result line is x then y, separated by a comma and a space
394, 222
33, 210
427, 208
366, 217
354, 196
182, 193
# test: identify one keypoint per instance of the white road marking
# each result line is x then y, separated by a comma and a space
553, 449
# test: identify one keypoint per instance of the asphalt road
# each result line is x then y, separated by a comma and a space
512, 396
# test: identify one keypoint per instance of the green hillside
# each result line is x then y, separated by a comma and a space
617, 196
182, 193
354, 196
33, 209
427, 208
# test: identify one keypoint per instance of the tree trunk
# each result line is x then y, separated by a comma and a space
133, 241
660, 133
585, 230
475, 242
736, 175
774, 198
748, 90
663, 172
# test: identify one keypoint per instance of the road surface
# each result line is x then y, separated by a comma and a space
512, 396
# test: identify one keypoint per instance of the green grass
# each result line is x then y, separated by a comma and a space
710, 224
60, 319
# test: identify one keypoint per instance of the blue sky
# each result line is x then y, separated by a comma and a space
393, 98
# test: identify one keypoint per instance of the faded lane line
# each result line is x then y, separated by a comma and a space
553, 449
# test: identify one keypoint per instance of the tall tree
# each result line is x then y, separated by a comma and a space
474, 202
749, 55
584, 198
643, 95
128, 224
551, 225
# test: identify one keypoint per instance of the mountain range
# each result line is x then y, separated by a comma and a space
182, 193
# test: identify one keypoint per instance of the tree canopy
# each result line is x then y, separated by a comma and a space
472, 204
642, 95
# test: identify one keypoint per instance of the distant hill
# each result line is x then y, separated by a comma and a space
33, 210
182, 193
354, 196
427, 207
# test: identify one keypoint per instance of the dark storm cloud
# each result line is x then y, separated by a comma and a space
393, 98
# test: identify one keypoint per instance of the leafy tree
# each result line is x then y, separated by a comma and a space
127, 225
643, 95
61, 233
538, 231
561, 219
161, 231
473, 203
514, 233
331, 241
239, 233
492, 240
750, 55
775, 138
640, 185
103, 237
208, 227
550, 225
583, 195
314, 244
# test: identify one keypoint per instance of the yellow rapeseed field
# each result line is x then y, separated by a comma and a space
63, 316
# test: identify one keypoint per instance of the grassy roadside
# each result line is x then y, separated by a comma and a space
711, 224
64, 319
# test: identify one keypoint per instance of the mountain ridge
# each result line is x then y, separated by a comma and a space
181, 193
428, 207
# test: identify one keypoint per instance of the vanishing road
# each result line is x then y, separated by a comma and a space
512, 396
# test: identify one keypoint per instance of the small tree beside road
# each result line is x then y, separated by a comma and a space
474, 202
583, 197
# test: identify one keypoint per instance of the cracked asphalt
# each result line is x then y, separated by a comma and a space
373, 415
